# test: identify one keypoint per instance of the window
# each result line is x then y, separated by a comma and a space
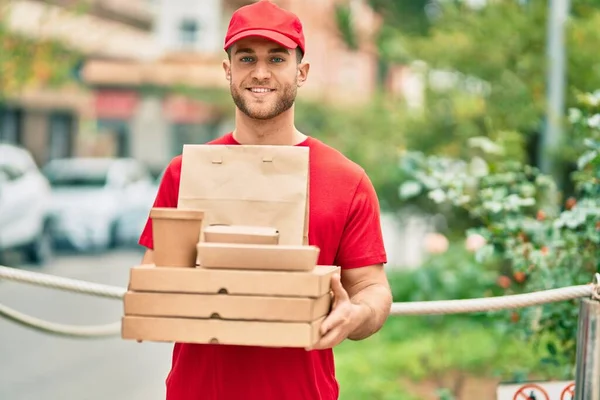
116, 136
10, 125
188, 32
60, 135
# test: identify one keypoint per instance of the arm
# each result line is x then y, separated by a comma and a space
369, 291
362, 296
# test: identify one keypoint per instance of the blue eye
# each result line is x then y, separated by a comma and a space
246, 59
278, 59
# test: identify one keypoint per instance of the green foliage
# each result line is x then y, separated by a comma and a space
532, 248
410, 351
343, 17
495, 63
408, 16
452, 275
438, 351
26, 63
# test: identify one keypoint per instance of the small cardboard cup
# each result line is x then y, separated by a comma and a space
176, 233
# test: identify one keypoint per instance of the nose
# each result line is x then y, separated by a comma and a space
261, 71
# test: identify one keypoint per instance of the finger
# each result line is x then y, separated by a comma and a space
329, 340
334, 319
339, 292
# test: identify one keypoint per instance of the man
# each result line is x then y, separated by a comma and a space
265, 46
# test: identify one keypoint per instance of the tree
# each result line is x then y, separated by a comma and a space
497, 53
27, 63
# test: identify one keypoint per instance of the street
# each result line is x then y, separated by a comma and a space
35, 365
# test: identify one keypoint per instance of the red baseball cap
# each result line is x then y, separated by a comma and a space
267, 20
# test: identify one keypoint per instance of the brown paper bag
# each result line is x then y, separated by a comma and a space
248, 185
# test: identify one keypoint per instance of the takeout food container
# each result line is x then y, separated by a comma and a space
176, 233
227, 307
241, 234
218, 331
257, 257
313, 284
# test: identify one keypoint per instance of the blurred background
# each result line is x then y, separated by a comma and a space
477, 121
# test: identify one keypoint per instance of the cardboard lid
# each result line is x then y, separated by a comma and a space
175, 213
241, 229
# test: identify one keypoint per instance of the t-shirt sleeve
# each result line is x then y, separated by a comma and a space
168, 192
362, 239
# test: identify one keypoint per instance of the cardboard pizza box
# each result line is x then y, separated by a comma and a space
314, 283
227, 307
257, 257
244, 333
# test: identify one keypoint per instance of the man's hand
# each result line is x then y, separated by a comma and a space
341, 321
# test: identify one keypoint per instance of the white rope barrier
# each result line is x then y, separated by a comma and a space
71, 285
409, 308
52, 328
493, 303
57, 282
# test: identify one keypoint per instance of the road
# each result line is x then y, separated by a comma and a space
35, 365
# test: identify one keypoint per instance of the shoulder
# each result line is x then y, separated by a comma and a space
331, 165
325, 155
172, 172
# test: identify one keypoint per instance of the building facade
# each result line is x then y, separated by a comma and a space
141, 57
62, 122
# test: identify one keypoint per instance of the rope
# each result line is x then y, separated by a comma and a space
57, 282
493, 303
59, 329
410, 308
72, 285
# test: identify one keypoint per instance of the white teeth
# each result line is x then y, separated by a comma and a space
260, 90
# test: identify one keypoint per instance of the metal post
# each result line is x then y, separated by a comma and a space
587, 375
556, 53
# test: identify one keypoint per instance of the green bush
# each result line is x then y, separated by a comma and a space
451, 275
437, 350
531, 246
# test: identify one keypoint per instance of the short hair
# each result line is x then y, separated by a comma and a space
299, 54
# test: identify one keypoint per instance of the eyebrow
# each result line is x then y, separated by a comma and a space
275, 50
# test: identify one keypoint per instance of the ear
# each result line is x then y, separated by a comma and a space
227, 69
302, 73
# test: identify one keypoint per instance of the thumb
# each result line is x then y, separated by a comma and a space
339, 292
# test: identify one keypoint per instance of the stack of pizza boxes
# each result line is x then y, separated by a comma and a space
232, 285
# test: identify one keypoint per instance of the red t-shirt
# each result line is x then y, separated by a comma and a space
344, 222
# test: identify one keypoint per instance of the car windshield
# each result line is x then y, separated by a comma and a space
77, 173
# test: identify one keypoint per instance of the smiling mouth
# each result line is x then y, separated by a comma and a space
261, 90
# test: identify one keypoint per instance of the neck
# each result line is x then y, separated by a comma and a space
276, 131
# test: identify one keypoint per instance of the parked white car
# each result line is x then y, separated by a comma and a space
89, 197
25, 198
135, 214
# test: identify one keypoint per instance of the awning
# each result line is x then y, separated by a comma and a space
201, 74
115, 104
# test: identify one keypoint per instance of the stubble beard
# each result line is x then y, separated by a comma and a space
284, 101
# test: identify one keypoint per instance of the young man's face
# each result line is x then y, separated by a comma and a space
263, 77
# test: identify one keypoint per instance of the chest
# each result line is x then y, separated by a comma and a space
329, 205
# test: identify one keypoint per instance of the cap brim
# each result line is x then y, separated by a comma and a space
266, 34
